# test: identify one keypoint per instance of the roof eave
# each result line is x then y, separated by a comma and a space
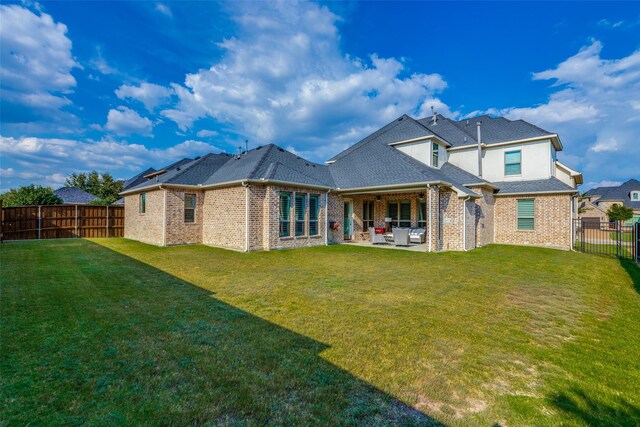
532, 193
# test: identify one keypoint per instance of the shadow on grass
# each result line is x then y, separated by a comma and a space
592, 412
93, 336
633, 270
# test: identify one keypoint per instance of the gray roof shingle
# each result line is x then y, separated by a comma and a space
73, 195
536, 186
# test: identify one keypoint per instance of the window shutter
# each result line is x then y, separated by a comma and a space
526, 214
513, 163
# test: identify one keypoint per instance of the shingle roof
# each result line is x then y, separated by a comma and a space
621, 192
72, 195
536, 186
374, 163
138, 179
262, 163
494, 130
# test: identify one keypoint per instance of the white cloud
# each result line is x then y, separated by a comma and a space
594, 110
125, 121
151, 95
284, 79
164, 9
47, 161
35, 62
204, 133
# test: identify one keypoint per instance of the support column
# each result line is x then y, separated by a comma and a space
433, 214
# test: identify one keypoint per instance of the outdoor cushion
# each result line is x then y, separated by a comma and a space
380, 230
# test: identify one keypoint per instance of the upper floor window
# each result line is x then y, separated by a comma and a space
435, 153
143, 202
635, 195
189, 207
285, 212
513, 162
367, 215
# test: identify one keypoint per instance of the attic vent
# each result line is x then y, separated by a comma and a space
258, 147
280, 149
400, 119
307, 164
178, 168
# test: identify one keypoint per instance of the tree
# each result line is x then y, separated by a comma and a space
103, 186
618, 212
30, 195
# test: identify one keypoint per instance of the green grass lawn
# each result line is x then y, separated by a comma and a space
625, 236
114, 332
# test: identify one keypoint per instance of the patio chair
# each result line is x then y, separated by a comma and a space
376, 236
400, 236
417, 235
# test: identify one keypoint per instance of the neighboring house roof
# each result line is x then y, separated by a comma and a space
551, 185
72, 195
621, 193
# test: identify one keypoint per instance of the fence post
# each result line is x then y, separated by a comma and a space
637, 239
582, 232
107, 225
39, 221
76, 228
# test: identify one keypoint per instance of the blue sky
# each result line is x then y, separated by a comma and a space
120, 86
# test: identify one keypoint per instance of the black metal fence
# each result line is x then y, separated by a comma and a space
607, 238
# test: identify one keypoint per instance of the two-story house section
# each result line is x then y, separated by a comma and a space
456, 184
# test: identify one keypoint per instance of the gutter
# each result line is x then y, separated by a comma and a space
164, 216
201, 187
557, 146
246, 215
532, 193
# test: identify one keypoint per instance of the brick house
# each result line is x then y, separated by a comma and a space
597, 201
464, 183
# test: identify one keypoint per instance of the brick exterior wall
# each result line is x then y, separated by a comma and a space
271, 222
552, 220
146, 227
456, 213
484, 216
336, 213
223, 217
179, 232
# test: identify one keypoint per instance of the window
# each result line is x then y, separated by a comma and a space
301, 201
635, 195
400, 213
314, 206
367, 215
526, 213
422, 214
285, 211
436, 151
189, 207
143, 202
512, 163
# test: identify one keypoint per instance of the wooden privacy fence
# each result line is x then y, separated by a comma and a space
61, 221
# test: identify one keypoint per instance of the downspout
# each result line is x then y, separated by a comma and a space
164, 216
326, 218
479, 124
429, 208
464, 223
246, 186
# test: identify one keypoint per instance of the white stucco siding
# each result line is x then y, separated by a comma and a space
563, 175
422, 151
465, 159
536, 161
